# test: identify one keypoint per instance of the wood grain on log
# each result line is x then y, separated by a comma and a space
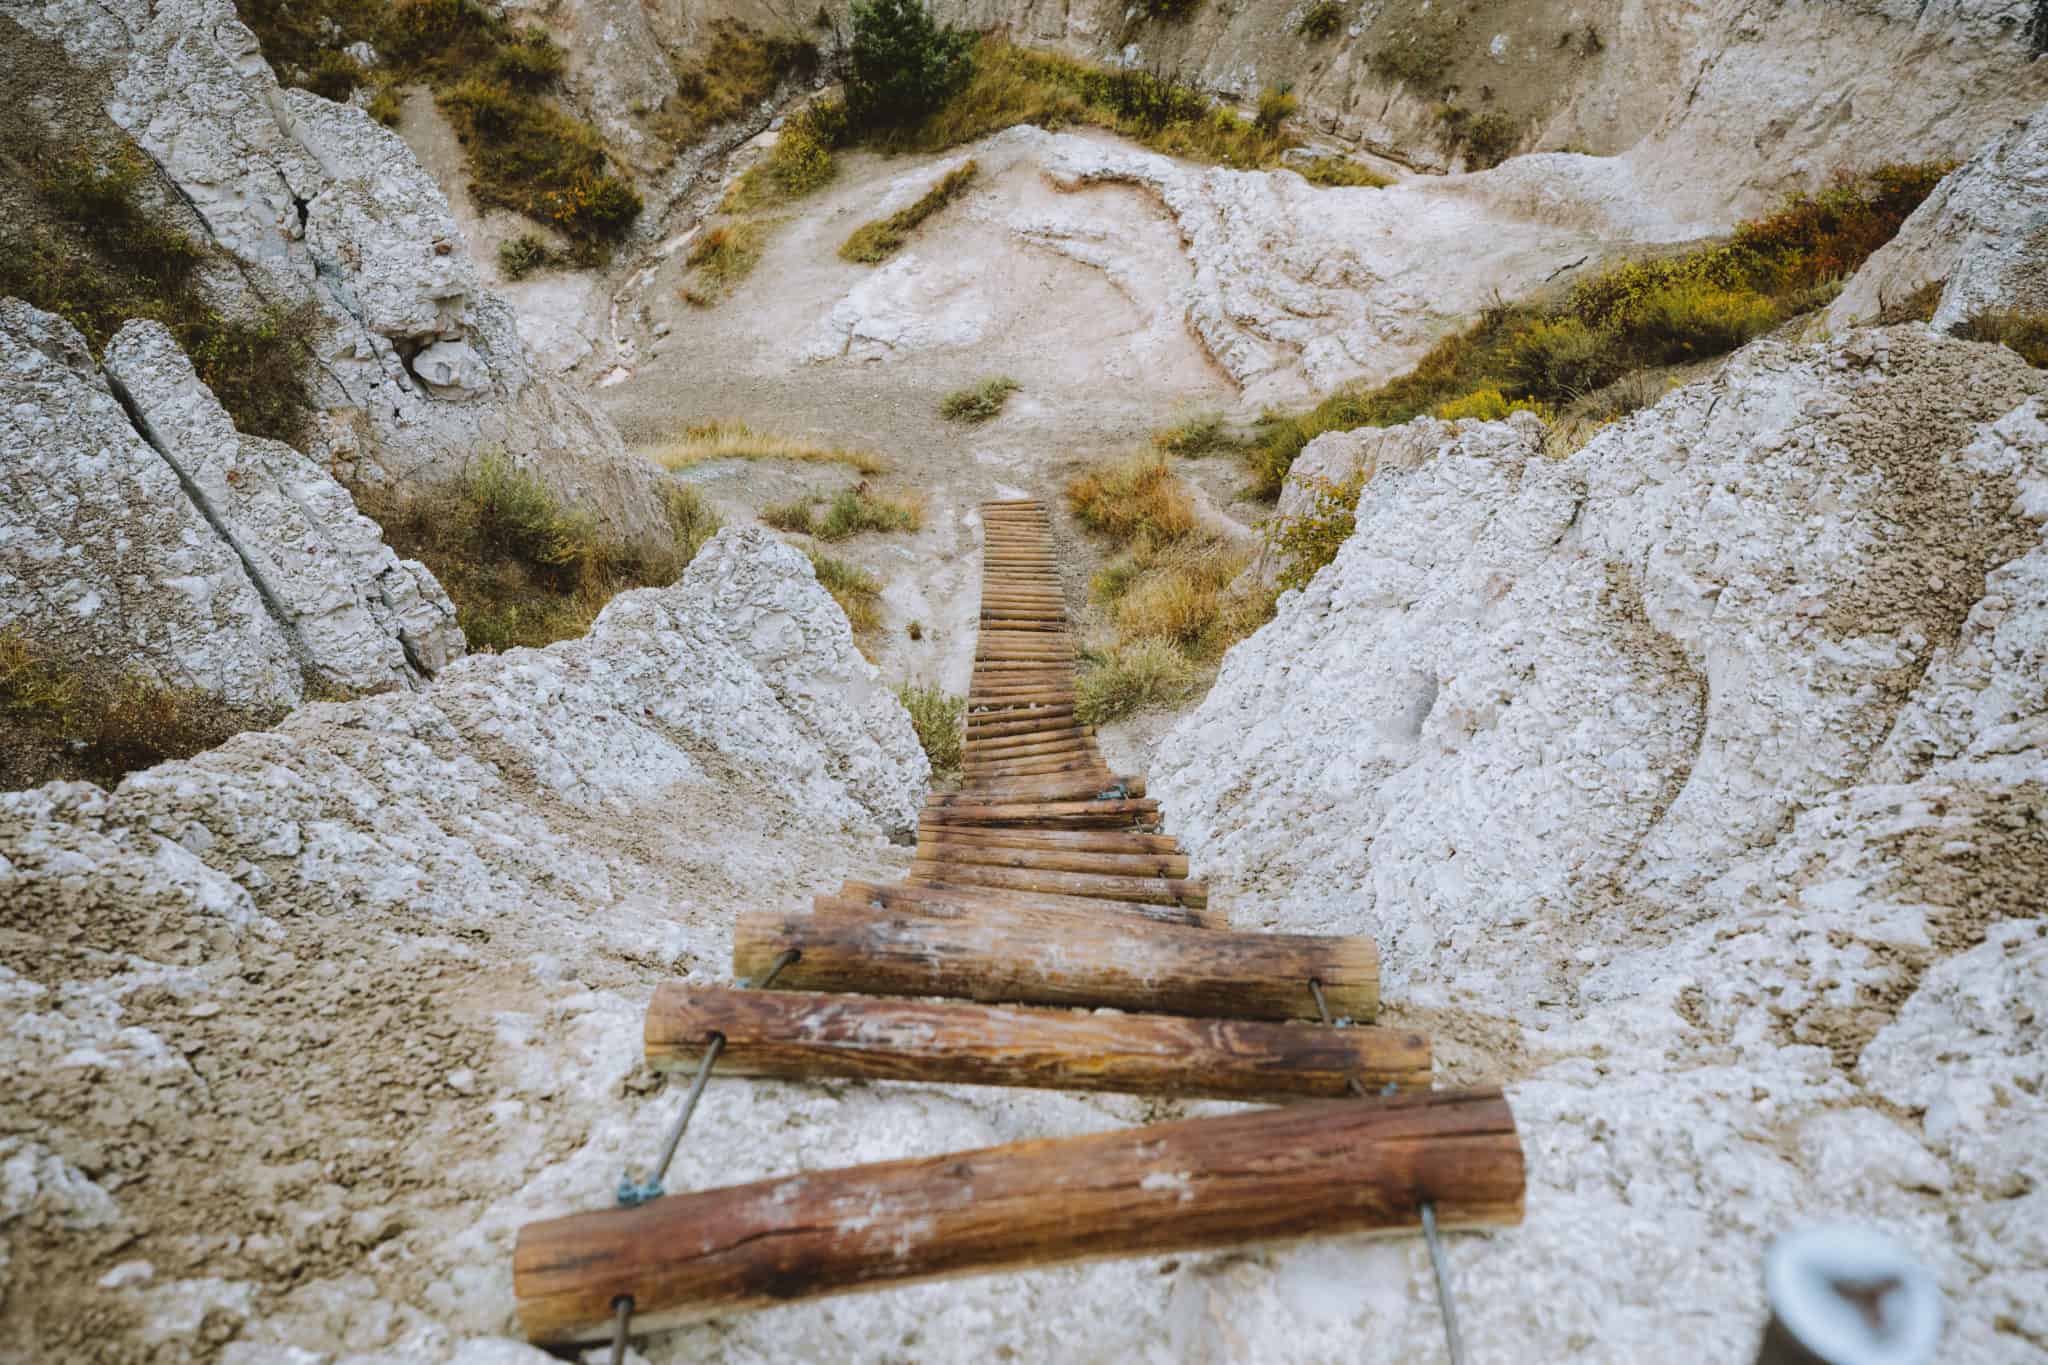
1331, 1166
1016, 954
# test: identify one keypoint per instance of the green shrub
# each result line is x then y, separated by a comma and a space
736, 70
872, 243
522, 568
85, 246
1276, 105
528, 60
1418, 53
1339, 171
1320, 20
1197, 436
1169, 10
902, 64
1558, 360
524, 152
793, 516
979, 403
1486, 139
859, 509
523, 255
1309, 541
937, 717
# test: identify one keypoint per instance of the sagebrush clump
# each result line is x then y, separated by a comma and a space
873, 243
979, 402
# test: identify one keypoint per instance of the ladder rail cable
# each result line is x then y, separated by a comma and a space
631, 1193
1453, 1340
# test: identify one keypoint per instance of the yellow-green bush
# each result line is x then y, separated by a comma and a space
858, 593
875, 242
937, 716
1339, 171
1485, 405
1667, 310
1311, 540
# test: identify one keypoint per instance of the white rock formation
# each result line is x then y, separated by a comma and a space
446, 906
1292, 289
104, 560
1982, 237
1695, 785
358, 618
342, 228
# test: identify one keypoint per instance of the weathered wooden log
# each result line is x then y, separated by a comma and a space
1029, 956
1035, 789
1096, 841
1331, 1166
1139, 890
1054, 814
941, 850
804, 1035
947, 898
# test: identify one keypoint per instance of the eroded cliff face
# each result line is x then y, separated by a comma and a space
328, 217
142, 535
326, 1012
1707, 764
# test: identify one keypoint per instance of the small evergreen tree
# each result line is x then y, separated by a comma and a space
902, 63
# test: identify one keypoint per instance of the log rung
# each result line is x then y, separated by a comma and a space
798, 1035
1325, 1167
1020, 954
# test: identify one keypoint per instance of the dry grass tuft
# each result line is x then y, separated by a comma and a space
858, 592
70, 724
873, 243
979, 403
522, 568
1134, 676
936, 715
737, 441
1134, 498
1171, 595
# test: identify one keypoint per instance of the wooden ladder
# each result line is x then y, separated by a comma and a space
1041, 897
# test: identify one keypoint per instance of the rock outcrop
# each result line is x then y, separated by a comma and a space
334, 222
1981, 240
370, 981
359, 618
1690, 782
145, 535
104, 560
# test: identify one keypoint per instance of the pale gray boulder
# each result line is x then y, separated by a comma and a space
1981, 237
335, 222
359, 619
105, 562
